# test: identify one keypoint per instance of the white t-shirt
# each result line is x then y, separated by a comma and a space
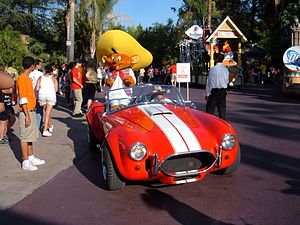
34, 76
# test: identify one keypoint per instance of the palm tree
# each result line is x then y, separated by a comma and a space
96, 11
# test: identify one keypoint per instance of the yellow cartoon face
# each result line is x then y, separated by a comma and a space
119, 61
115, 43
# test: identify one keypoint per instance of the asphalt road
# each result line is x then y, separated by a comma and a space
265, 189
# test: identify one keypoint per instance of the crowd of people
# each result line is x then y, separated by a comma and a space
165, 75
36, 90
263, 74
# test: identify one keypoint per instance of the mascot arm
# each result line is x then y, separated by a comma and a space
109, 81
129, 81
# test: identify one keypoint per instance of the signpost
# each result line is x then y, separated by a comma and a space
184, 76
291, 79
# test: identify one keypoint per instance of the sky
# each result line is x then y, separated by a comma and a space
147, 12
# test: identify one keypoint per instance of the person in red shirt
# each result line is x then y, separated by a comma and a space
29, 132
77, 89
173, 75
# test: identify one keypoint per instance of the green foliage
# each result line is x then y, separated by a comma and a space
162, 41
290, 14
12, 50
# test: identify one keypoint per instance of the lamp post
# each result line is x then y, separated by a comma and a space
70, 31
296, 33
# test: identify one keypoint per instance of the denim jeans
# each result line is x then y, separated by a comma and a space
39, 115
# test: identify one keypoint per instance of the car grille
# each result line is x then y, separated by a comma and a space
183, 164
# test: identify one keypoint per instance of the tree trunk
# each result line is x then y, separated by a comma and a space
209, 13
70, 20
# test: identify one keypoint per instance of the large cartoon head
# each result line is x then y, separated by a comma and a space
119, 50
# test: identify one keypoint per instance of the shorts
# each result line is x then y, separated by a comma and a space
173, 77
47, 99
90, 90
4, 116
31, 133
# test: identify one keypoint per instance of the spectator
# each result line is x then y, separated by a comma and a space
27, 116
141, 76
34, 76
150, 73
263, 73
6, 81
77, 88
216, 88
3, 120
100, 77
71, 65
47, 87
91, 82
173, 75
9, 112
12, 71
66, 82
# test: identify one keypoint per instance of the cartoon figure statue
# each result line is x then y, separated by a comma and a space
228, 55
122, 54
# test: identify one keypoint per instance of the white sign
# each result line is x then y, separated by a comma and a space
183, 72
68, 43
226, 33
291, 58
194, 32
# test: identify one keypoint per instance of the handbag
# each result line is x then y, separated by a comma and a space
98, 89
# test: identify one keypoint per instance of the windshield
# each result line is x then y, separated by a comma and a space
147, 94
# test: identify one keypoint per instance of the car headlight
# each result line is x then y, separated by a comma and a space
137, 151
228, 141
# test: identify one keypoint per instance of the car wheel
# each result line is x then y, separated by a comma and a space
109, 173
231, 168
91, 138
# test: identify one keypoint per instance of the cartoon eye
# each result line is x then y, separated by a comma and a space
119, 58
113, 58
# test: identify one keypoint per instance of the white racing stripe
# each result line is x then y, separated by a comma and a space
178, 133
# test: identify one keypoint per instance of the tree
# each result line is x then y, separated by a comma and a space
12, 49
92, 15
162, 41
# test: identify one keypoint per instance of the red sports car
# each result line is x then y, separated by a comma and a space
150, 133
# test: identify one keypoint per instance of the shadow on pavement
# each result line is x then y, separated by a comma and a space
14, 218
181, 212
294, 188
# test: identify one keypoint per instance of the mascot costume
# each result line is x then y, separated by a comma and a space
122, 54
228, 55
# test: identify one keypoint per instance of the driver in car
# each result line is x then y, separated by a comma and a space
158, 95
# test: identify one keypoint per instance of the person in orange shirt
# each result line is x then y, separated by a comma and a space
29, 132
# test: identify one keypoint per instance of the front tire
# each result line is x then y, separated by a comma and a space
91, 138
109, 173
232, 168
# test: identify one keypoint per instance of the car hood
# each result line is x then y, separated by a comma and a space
165, 124
155, 117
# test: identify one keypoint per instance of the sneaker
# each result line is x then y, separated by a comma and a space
36, 161
27, 165
3, 142
51, 128
46, 133
78, 115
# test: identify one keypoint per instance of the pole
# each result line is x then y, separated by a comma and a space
209, 14
70, 33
